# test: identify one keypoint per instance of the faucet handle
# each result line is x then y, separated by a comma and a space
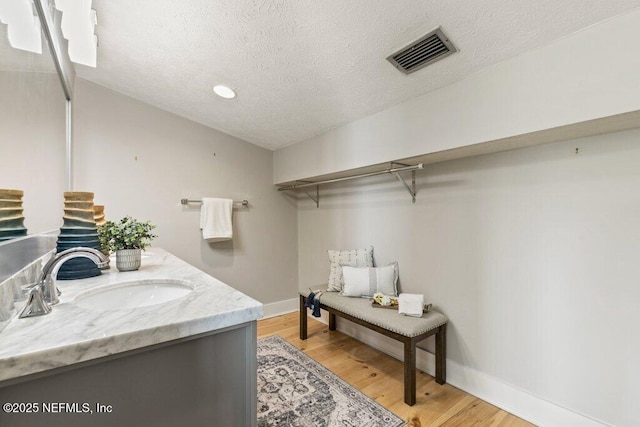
36, 305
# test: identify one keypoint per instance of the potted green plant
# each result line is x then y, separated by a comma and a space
127, 238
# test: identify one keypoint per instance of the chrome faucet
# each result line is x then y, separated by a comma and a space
44, 293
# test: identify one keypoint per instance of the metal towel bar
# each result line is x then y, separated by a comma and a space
244, 203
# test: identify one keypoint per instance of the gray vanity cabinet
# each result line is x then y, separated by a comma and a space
203, 380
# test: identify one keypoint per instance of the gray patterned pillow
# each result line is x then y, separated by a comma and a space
352, 258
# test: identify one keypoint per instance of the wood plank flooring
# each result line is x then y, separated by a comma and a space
380, 377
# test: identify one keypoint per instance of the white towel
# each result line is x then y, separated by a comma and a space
215, 219
410, 304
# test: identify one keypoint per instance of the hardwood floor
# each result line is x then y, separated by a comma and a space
380, 377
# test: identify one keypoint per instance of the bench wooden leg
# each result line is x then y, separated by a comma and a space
303, 318
410, 372
441, 355
332, 321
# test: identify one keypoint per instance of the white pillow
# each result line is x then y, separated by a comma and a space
366, 281
353, 258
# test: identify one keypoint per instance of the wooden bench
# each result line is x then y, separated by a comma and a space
406, 329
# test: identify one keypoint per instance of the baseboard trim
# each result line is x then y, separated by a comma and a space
512, 399
279, 308
519, 402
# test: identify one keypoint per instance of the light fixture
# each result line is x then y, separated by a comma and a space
224, 91
78, 22
23, 27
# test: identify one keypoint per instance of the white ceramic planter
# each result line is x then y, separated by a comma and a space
128, 259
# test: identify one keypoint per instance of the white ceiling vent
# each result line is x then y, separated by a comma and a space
422, 52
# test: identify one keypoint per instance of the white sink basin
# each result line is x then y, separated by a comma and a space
129, 295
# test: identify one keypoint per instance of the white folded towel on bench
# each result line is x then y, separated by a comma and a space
410, 304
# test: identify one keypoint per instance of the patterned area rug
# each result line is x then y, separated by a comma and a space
295, 390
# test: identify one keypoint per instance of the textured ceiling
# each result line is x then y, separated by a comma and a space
302, 67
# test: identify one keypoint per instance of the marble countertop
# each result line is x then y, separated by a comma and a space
72, 334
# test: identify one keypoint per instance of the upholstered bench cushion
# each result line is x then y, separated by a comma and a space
361, 308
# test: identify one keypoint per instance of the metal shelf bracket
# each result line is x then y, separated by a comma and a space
316, 198
411, 189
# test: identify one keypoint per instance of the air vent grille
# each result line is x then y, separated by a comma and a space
424, 51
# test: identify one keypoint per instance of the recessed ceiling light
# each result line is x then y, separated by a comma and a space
224, 91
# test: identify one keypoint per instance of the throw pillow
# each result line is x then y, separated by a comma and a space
364, 282
353, 258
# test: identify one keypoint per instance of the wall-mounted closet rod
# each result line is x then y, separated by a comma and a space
244, 203
391, 170
362, 175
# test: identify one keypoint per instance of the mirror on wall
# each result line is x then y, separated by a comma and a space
32, 133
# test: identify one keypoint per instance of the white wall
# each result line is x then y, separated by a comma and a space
141, 161
588, 75
532, 254
32, 145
